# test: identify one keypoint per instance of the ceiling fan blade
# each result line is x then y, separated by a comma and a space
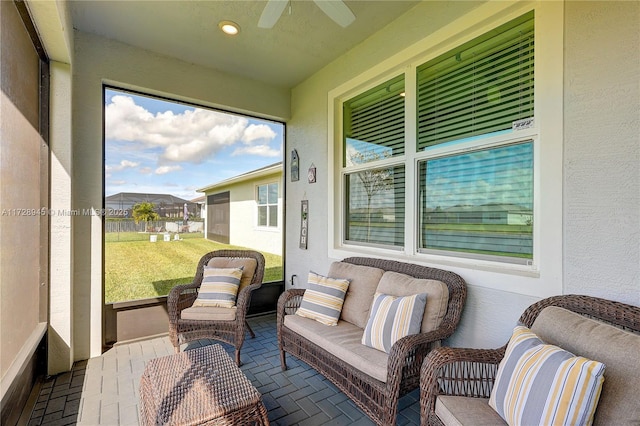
338, 11
271, 13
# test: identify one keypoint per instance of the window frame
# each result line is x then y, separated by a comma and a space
276, 205
546, 135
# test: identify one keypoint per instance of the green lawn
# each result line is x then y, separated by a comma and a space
137, 269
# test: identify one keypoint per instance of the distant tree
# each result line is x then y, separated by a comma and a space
145, 212
373, 180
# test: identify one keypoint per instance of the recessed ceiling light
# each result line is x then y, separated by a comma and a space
229, 27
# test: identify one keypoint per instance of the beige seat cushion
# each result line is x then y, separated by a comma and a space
461, 410
209, 313
248, 264
363, 281
618, 349
343, 341
397, 284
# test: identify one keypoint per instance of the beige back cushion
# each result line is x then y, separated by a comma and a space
249, 265
397, 284
619, 350
363, 283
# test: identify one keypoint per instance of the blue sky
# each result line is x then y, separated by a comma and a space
160, 147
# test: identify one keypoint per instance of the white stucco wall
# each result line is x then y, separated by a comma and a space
97, 61
243, 212
60, 348
490, 313
602, 150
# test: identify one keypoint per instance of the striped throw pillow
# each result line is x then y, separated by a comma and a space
392, 318
538, 383
323, 299
219, 287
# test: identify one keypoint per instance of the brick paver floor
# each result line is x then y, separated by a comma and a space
104, 390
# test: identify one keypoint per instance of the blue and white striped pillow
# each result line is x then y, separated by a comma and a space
219, 287
323, 299
392, 318
538, 383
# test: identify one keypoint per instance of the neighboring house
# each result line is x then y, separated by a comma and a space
201, 210
504, 214
166, 205
246, 210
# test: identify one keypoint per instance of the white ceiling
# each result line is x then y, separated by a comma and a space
300, 43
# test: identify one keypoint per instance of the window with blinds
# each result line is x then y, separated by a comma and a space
373, 124
375, 201
476, 202
374, 128
480, 203
480, 88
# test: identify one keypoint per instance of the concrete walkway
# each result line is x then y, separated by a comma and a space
104, 390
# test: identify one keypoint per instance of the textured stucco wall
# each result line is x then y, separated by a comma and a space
60, 347
602, 150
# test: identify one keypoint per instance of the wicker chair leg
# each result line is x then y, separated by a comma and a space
283, 361
246, 324
238, 357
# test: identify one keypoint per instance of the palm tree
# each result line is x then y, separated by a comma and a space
145, 212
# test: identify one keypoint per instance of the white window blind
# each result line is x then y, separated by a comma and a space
374, 129
480, 88
374, 123
479, 202
375, 200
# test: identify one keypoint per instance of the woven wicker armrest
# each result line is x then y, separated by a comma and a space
457, 371
244, 296
243, 300
181, 297
409, 352
289, 302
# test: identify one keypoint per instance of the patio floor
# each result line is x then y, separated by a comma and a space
104, 390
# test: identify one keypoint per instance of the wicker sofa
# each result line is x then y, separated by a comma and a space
373, 379
456, 383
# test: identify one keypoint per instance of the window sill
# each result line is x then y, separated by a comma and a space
443, 262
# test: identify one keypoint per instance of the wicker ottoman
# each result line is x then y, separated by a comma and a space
199, 386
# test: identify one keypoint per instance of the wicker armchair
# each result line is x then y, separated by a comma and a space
377, 399
228, 331
472, 372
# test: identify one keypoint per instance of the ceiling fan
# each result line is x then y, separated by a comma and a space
334, 9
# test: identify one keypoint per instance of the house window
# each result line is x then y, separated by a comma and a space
463, 164
374, 172
267, 199
479, 203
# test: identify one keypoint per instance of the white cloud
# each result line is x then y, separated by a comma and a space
145, 170
117, 182
124, 164
163, 170
260, 150
255, 132
191, 136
